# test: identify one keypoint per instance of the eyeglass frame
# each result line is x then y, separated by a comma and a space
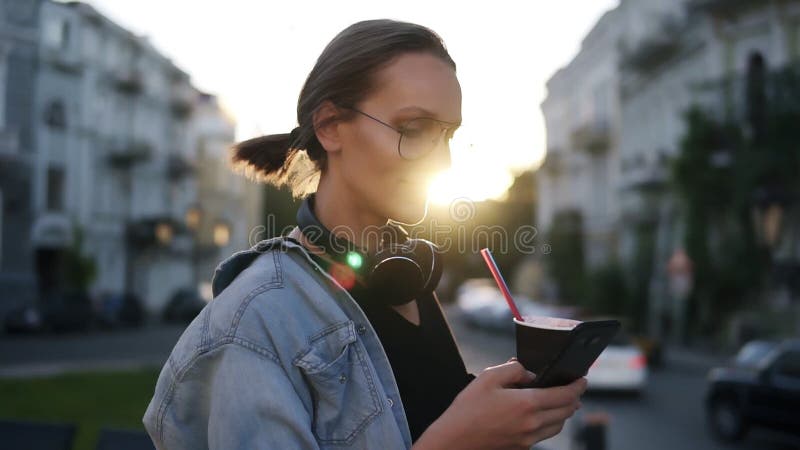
453, 126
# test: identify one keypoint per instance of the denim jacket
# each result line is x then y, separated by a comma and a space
281, 358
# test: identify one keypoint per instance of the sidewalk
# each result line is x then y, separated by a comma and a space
106, 350
692, 359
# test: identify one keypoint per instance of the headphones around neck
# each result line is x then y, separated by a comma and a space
401, 270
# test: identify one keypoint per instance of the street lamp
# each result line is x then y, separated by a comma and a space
773, 219
193, 216
769, 204
220, 231
164, 233
222, 234
680, 270
194, 219
769, 211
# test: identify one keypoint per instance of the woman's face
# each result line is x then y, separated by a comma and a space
415, 85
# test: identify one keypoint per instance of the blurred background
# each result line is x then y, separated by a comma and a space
634, 159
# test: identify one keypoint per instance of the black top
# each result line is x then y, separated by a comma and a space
425, 359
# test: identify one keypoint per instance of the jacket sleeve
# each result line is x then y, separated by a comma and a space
233, 398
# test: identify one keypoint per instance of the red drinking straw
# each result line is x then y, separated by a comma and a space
501, 283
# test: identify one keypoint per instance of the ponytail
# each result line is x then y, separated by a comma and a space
294, 159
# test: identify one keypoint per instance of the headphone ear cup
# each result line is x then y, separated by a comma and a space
396, 278
430, 259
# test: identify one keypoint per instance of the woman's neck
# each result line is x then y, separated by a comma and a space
345, 217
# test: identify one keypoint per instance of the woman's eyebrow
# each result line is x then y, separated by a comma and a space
425, 113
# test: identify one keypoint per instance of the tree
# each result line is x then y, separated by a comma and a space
566, 263
722, 167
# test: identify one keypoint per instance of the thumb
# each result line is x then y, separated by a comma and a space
510, 374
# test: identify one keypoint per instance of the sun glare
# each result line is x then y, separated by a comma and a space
473, 175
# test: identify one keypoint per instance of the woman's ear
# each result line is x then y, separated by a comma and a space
326, 126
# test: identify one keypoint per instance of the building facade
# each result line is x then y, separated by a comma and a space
19, 37
117, 141
658, 60
581, 171
699, 57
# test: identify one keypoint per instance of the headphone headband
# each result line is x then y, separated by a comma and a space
319, 235
399, 271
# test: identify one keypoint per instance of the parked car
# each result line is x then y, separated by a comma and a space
652, 348
484, 306
68, 312
25, 319
56, 312
622, 367
120, 310
761, 387
184, 306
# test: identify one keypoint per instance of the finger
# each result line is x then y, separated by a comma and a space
557, 397
546, 433
509, 374
551, 417
582, 383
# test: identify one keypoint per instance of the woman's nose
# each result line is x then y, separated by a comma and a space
440, 156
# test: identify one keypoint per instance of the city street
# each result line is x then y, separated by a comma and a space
669, 415
621, 159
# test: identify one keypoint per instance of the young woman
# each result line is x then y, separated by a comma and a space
312, 345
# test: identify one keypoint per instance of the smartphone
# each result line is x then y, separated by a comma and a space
563, 357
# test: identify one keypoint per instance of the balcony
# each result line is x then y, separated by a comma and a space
728, 99
126, 155
183, 96
639, 209
65, 61
181, 109
593, 137
153, 231
724, 7
649, 178
663, 44
179, 167
128, 81
643, 181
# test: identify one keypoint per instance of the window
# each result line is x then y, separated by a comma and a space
753, 353
57, 34
55, 189
788, 366
601, 107
55, 114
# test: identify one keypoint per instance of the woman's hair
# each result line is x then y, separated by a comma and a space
344, 75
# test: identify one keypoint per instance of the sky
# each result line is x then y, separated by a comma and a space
255, 55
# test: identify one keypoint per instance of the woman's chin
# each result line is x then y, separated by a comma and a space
411, 212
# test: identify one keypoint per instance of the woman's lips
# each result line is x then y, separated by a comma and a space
413, 182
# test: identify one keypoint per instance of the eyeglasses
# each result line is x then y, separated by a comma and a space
419, 136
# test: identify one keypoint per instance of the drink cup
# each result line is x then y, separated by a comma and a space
540, 338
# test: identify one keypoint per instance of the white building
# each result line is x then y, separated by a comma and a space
120, 142
623, 98
19, 31
582, 118
684, 61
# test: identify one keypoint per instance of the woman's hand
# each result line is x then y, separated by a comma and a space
492, 413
